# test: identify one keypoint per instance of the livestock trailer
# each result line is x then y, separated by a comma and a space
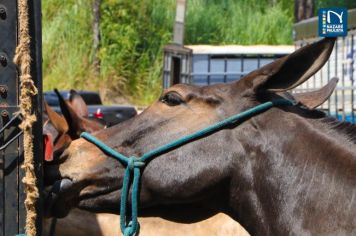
207, 64
340, 64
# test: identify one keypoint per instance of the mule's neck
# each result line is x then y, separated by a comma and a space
297, 177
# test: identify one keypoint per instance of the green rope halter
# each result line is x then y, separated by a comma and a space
133, 164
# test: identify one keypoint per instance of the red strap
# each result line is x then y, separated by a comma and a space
48, 147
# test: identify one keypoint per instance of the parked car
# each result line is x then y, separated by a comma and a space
112, 114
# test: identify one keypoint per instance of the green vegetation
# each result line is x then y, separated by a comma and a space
67, 44
133, 33
349, 4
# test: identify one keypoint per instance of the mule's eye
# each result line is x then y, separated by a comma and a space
171, 99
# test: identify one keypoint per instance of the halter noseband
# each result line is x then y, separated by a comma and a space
133, 164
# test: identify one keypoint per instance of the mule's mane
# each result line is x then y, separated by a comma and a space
343, 127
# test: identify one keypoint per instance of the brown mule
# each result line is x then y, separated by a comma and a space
84, 223
289, 170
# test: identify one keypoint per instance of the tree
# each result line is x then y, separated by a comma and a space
303, 9
96, 36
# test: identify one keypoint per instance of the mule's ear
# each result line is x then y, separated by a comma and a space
316, 98
74, 121
290, 71
78, 104
57, 120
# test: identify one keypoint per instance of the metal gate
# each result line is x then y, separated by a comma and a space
12, 196
341, 64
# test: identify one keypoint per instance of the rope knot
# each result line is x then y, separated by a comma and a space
134, 162
131, 229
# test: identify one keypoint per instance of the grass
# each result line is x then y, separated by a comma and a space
67, 44
239, 22
133, 33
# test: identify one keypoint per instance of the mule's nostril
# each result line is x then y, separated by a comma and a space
61, 185
65, 184
58, 198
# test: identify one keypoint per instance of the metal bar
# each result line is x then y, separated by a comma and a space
190, 65
225, 69
321, 82
11, 140
328, 78
343, 78
187, 72
2, 189
21, 191
11, 169
242, 65
336, 95
307, 82
209, 67
11, 122
352, 78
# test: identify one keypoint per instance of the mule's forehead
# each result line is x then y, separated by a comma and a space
218, 89
183, 89
210, 90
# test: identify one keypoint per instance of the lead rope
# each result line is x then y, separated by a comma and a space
134, 164
27, 91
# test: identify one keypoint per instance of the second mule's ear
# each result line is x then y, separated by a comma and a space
290, 71
57, 120
78, 104
73, 120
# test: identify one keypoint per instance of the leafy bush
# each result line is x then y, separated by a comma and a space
67, 44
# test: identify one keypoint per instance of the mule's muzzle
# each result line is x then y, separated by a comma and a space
58, 199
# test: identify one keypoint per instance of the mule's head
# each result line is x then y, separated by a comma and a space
60, 130
196, 172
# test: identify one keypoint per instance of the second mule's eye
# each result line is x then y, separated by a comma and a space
171, 99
